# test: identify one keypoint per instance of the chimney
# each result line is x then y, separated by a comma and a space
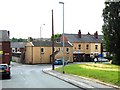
88, 33
30, 39
96, 35
8, 33
79, 34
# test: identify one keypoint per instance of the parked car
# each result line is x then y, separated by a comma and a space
60, 62
4, 71
102, 59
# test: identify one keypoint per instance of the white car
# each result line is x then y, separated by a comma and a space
102, 59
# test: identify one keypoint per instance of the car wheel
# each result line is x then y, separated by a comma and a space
9, 76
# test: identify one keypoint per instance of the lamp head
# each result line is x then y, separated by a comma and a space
61, 2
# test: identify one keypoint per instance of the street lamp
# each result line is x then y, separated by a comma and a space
40, 43
63, 38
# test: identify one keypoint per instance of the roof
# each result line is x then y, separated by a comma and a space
4, 35
18, 44
49, 44
84, 38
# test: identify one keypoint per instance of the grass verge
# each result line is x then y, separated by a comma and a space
104, 72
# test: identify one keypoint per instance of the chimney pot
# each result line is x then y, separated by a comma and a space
8, 33
30, 39
88, 33
96, 35
79, 34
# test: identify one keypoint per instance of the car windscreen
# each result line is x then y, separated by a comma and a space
3, 66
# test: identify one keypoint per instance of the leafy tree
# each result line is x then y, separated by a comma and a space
18, 40
56, 37
111, 29
13, 39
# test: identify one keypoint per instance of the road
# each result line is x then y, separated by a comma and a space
31, 76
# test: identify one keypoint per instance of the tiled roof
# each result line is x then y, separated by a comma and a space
49, 44
84, 38
18, 44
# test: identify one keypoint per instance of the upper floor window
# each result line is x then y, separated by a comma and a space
87, 46
67, 50
79, 46
42, 50
96, 47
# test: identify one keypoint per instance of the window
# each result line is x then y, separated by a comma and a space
96, 47
15, 49
42, 50
79, 46
67, 50
59, 49
87, 46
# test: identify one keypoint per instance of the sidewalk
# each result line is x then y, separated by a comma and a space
80, 82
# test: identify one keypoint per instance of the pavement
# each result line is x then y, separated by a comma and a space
81, 82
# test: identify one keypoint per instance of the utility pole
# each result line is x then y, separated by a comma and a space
52, 42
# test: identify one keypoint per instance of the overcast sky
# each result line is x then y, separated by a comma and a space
23, 18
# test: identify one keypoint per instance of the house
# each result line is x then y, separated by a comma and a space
5, 53
18, 47
85, 46
18, 50
41, 52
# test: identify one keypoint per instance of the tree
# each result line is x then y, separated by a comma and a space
56, 37
18, 40
111, 29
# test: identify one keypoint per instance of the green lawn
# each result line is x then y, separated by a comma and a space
104, 72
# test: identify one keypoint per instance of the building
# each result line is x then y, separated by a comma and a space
5, 52
18, 50
18, 47
38, 39
85, 46
41, 52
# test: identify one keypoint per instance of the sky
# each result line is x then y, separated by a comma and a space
23, 18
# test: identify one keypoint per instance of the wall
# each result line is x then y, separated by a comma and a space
6, 55
45, 57
70, 54
93, 47
29, 54
32, 54
89, 50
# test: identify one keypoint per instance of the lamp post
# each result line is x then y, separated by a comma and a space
40, 43
63, 38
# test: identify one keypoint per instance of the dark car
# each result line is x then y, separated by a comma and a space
60, 62
4, 71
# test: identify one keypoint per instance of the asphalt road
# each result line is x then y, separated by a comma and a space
31, 76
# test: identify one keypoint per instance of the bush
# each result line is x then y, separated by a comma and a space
13, 61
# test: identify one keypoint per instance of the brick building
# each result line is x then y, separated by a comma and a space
5, 51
